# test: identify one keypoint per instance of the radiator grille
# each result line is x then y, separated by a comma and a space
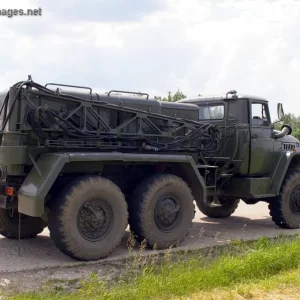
289, 147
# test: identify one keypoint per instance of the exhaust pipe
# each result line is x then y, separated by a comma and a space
285, 130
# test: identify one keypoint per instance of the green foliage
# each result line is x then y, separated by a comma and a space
172, 97
244, 263
293, 121
296, 133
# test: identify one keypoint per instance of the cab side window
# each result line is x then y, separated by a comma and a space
259, 114
211, 112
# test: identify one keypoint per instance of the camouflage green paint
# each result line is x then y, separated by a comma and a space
260, 159
39, 180
13, 155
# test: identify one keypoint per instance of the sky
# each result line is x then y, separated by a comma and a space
156, 46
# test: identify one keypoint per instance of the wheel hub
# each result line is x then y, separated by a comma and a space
167, 214
295, 201
94, 220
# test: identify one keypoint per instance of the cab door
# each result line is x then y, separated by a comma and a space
261, 140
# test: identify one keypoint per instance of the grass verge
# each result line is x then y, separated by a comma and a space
243, 266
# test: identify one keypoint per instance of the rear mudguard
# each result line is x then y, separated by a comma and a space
36, 186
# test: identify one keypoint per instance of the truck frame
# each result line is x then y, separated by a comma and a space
88, 165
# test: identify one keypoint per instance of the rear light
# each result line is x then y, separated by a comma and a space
9, 191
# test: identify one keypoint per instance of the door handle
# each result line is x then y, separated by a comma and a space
254, 136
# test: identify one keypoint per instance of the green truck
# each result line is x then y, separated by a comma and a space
87, 165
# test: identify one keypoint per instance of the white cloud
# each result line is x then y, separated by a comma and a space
199, 46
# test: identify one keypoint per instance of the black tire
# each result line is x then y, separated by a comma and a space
145, 218
228, 207
74, 225
285, 208
9, 224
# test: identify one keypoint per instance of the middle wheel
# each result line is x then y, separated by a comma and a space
161, 211
88, 220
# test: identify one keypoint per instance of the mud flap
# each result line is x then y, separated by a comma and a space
37, 184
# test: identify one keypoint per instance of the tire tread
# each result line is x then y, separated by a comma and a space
60, 212
30, 227
276, 205
138, 208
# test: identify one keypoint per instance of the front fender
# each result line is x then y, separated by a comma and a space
287, 160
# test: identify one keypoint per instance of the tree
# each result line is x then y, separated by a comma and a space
172, 98
293, 121
296, 133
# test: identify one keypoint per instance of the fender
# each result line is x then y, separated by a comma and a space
287, 160
32, 193
38, 182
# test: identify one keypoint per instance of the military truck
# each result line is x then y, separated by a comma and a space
87, 165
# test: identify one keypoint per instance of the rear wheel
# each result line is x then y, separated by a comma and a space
227, 208
285, 208
89, 218
161, 211
30, 227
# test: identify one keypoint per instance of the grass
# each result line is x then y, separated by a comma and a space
284, 285
245, 268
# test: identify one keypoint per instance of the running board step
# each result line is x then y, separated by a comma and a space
206, 167
226, 175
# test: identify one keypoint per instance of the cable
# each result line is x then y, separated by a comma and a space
200, 137
205, 138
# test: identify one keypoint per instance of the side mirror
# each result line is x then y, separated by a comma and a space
280, 112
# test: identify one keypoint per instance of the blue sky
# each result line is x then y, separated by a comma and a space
156, 46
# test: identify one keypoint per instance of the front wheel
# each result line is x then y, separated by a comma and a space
285, 208
89, 218
161, 211
227, 208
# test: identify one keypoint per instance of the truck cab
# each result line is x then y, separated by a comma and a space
259, 146
259, 156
